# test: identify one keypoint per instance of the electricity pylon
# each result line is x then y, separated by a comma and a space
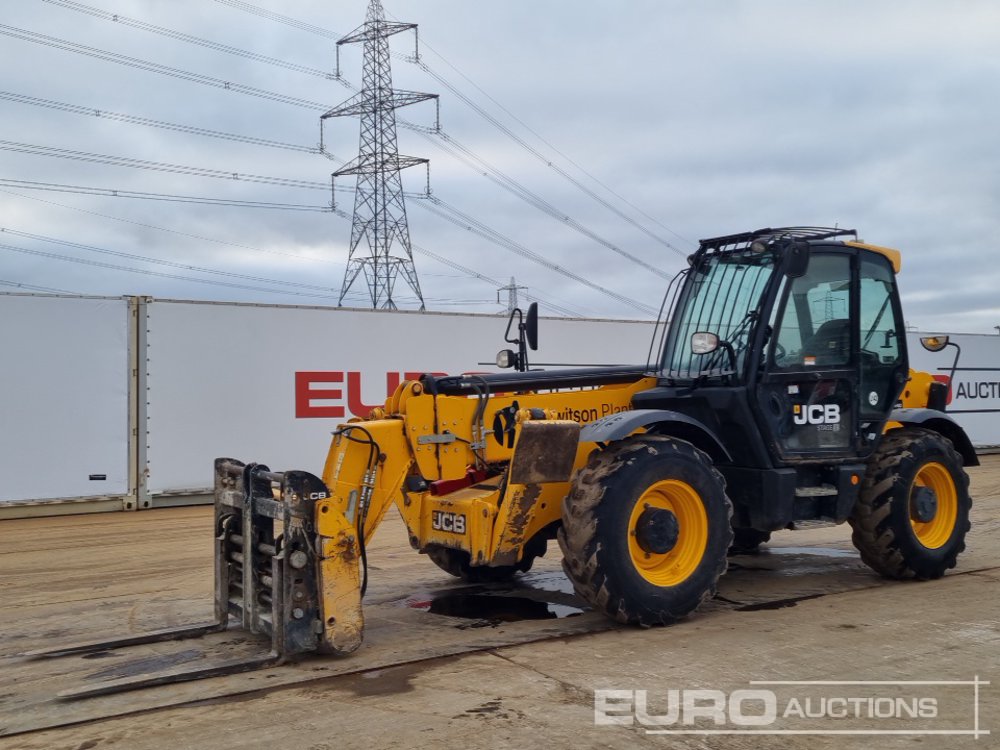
379, 207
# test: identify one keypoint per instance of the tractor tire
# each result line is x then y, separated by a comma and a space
889, 532
645, 530
457, 563
748, 541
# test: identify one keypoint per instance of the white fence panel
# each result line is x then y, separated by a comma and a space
64, 397
269, 383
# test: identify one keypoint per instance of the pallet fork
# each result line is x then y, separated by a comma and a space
286, 566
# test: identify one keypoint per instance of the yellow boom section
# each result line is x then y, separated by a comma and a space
480, 477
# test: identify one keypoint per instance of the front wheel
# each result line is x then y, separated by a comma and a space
645, 530
913, 513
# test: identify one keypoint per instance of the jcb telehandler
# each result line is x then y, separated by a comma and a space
777, 393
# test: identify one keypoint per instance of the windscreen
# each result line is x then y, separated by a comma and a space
722, 296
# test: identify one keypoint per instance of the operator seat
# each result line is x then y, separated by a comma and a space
831, 344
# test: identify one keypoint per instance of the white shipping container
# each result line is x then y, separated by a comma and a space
64, 397
270, 383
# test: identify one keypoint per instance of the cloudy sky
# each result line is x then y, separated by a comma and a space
691, 119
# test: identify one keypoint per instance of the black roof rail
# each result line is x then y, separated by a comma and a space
771, 234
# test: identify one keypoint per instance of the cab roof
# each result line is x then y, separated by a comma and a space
809, 234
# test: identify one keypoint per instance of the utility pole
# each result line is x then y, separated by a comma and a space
511, 290
379, 209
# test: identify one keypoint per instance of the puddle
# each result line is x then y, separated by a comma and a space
540, 595
389, 681
548, 581
493, 608
777, 604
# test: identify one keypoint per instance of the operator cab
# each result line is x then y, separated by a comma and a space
788, 343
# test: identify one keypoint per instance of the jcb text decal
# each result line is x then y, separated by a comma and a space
451, 522
817, 414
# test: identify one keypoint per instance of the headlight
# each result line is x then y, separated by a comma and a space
506, 358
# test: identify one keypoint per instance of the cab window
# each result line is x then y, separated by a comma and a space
815, 325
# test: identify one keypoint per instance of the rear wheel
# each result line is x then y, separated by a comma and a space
913, 513
646, 529
457, 562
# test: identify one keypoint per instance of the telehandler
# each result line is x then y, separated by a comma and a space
777, 394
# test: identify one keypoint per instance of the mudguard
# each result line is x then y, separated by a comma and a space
939, 422
621, 425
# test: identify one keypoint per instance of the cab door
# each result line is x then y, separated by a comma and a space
808, 391
883, 365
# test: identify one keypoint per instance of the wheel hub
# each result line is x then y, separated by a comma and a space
923, 504
657, 531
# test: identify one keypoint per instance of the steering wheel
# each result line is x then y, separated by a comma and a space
779, 351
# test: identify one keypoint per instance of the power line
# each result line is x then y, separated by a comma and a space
557, 169
186, 199
548, 162
459, 218
497, 176
219, 174
271, 16
493, 282
163, 229
123, 161
464, 220
160, 274
502, 180
329, 34
443, 210
151, 67
492, 173
32, 287
116, 193
134, 120
162, 262
180, 36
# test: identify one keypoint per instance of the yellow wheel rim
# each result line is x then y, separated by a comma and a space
934, 533
677, 565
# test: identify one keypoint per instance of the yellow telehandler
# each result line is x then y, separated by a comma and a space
777, 393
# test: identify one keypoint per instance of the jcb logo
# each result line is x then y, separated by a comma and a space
817, 414
450, 522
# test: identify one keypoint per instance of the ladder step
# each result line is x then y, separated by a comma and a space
823, 490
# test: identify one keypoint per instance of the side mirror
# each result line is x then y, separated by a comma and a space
704, 342
531, 326
796, 259
934, 343
527, 337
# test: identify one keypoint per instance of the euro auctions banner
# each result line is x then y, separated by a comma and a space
269, 384
970, 366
